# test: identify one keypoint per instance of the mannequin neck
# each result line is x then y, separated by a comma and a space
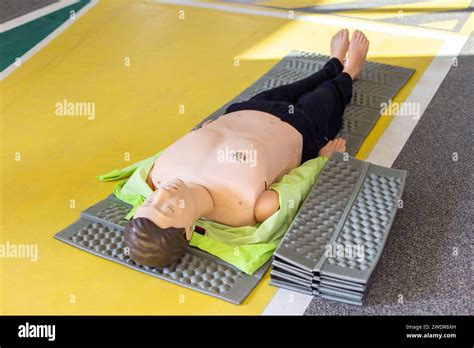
203, 202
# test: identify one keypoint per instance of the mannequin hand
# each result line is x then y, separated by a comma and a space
338, 145
267, 204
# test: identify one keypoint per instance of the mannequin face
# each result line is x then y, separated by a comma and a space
170, 205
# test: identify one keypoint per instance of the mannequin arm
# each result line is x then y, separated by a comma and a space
267, 204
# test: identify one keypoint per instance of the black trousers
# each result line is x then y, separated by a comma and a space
313, 105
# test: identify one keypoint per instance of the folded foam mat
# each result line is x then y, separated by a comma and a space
343, 284
287, 286
100, 231
100, 228
340, 230
376, 85
291, 278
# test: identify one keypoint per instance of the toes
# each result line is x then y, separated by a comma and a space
341, 33
355, 35
345, 33
361, 36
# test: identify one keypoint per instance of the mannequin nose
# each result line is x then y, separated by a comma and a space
161, 195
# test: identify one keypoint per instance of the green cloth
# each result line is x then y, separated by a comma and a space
247, 247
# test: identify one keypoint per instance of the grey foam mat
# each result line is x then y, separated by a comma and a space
352, 203
275, 273
318, 218
341, 299
100, 232
291, 271
367, 223
343, 284
378, 83
335, 291
285, 285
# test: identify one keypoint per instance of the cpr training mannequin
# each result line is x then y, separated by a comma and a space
222, 171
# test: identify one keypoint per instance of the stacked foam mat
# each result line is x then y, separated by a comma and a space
100, 228
333, 245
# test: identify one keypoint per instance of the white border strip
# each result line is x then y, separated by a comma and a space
286, 302
46, 40
16, 22
345, 22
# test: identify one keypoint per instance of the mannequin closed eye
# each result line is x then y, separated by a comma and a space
170, 208
167, 209
170, 186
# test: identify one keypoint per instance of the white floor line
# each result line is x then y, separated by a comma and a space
286, 302
399, 130
16, 22
46, 40
321, 19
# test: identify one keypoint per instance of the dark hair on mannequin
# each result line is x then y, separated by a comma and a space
152, 246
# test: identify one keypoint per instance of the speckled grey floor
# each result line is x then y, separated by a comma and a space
424, 18
427, 261
10, 9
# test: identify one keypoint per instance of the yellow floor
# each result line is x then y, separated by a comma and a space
173, 62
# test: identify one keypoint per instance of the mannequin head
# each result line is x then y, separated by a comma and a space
153, 246
162, 226
170, 205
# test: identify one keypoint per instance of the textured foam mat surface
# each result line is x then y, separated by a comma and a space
340, 230
377, 84
99, 230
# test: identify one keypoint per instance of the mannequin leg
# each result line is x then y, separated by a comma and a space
292, 91
326, 104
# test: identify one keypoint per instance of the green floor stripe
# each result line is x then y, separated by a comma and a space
17, 41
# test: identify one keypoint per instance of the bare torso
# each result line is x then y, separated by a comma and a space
235, 158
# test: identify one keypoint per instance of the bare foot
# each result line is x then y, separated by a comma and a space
339, 45
356, 54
